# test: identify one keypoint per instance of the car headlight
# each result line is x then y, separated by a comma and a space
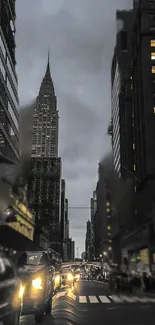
37, 283
70, 277
21, 291
57, 278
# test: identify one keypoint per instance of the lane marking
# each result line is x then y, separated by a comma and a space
93, 299
82, 299
104, 299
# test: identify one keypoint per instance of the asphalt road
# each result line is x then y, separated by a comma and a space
91, 303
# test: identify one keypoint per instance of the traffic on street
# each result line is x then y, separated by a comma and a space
91, 302
70, 294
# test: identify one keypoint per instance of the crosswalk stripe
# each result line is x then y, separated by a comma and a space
142, 299
121, 299
104, 299
93, 299
129, 299
82, 299
115, 298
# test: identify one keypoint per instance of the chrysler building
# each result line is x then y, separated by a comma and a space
45, 120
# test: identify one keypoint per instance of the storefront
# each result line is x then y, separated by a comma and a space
19, 235
139, 261
25, 223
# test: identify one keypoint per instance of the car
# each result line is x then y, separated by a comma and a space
77, 275
38, 279
10, 292
67, 276
57, 263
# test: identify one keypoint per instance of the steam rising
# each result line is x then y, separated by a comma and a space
26, 121
10, 174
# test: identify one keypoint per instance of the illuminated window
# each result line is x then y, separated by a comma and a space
109, 234
110, 241
133, 146
108, 204
108, 210
153, 69
153, 56
134, 167
109, 248
152, 43
109, 228
135, 188
154, 110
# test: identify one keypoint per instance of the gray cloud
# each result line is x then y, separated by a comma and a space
81, 36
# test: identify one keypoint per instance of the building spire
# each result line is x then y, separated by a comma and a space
48, 73
47, 83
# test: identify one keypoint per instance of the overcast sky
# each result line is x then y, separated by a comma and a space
81, 37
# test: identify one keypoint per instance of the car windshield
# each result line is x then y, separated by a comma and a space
34, 258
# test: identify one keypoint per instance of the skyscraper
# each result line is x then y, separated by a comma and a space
89, 240
9, 118
102, 219
93, 207
121, 68
45, 120
62, 222
133, 109
46, 165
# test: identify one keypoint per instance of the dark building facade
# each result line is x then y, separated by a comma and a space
45, 199
45, 185
9, 117
89, 246
143, 103
135, 100
70, 249
103, 215
93, 207
121, 95
64, 232
63, 187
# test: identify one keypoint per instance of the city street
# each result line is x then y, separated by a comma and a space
92, 303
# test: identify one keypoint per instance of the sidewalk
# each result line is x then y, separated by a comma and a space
150, 294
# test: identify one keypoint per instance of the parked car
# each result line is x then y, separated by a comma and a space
38, 278
10, 292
